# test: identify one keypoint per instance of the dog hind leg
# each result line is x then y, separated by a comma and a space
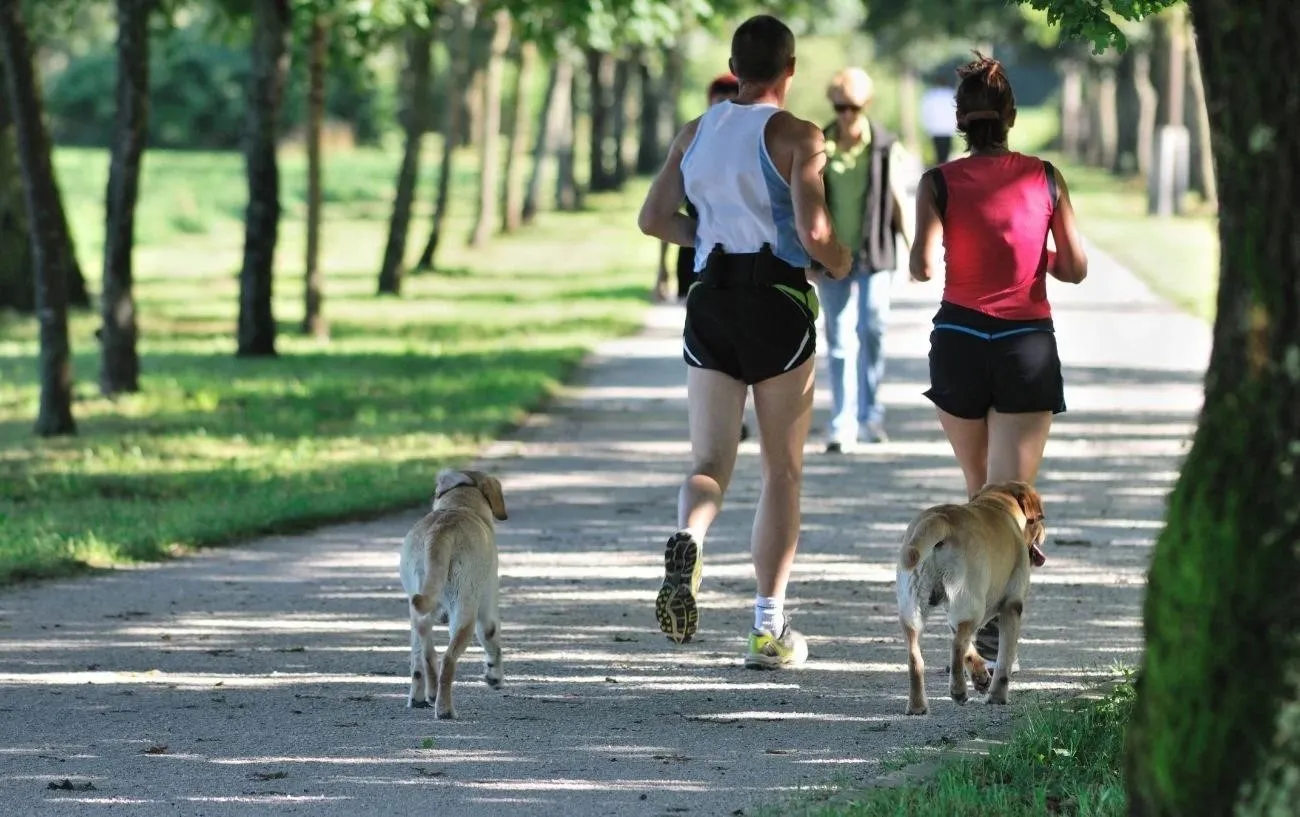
916, 701
424, 662
461, 632
487, 629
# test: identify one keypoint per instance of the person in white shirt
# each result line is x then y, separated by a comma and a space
939, 116
754, 173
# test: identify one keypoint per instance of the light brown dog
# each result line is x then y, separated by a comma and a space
449, 572
975, 560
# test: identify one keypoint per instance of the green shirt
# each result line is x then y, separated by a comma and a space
847, 175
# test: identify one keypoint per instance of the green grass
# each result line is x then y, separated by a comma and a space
215, 448
1061, 760
1178, 257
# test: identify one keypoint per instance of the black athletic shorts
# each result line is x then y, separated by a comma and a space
979, 362
750, 332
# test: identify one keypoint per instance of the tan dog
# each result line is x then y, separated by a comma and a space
449, 573
975, 559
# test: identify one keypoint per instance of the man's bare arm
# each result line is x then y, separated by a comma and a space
661, 214
812, 217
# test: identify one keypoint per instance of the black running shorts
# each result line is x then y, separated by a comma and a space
750, 333
978, 363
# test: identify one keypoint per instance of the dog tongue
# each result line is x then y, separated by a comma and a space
1037, 556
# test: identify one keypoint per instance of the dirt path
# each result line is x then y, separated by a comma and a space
269, 678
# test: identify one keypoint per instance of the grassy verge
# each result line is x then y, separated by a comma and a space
1060, 760
217, 448
1177, 257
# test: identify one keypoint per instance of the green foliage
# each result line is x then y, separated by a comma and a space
1097, 21
198, 89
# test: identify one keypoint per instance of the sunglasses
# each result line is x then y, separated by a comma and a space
843, 107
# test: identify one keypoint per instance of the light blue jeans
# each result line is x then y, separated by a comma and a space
855, 310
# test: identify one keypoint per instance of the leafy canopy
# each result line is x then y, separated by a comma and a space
1097, 20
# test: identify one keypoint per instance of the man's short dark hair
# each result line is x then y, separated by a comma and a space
761, 49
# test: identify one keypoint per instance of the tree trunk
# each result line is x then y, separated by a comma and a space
1216, 727
514, 190
418, 79
650, 148
674, 76
119, 361
550, 123
1148, 103
1204, 148
271, 21
49, 239
1105, 143
1176, 71
909, 92
490, 156
453, 125
1072, 108
313, 318
600, 79
618, 112
17, 278
568, 195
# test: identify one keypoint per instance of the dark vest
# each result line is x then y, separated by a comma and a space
879, 236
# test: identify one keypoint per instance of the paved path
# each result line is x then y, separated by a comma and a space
269, 678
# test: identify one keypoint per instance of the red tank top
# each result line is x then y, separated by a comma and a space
995, 225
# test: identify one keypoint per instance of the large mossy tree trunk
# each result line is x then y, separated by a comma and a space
1216, 729
119, 359
271, 22
49, 242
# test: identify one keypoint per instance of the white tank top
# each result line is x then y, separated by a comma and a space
742, 201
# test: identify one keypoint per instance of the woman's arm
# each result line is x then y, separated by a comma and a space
1069, 263
927, 249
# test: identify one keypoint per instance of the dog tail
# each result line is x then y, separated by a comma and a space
922, 538
426, 600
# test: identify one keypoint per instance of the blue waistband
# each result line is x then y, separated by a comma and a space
952, 327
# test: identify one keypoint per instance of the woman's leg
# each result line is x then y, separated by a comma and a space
970, 443
1016, 443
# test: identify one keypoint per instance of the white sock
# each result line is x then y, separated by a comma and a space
769, 614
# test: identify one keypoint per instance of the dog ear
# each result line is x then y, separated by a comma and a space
491, 488
448, 479
1031, 504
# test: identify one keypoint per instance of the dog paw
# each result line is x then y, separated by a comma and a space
997, 700
918, 709
495, 683
446, 715
960, 696
417, 704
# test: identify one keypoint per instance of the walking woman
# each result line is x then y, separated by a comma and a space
984, 219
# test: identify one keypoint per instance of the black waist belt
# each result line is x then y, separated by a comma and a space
751, 269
